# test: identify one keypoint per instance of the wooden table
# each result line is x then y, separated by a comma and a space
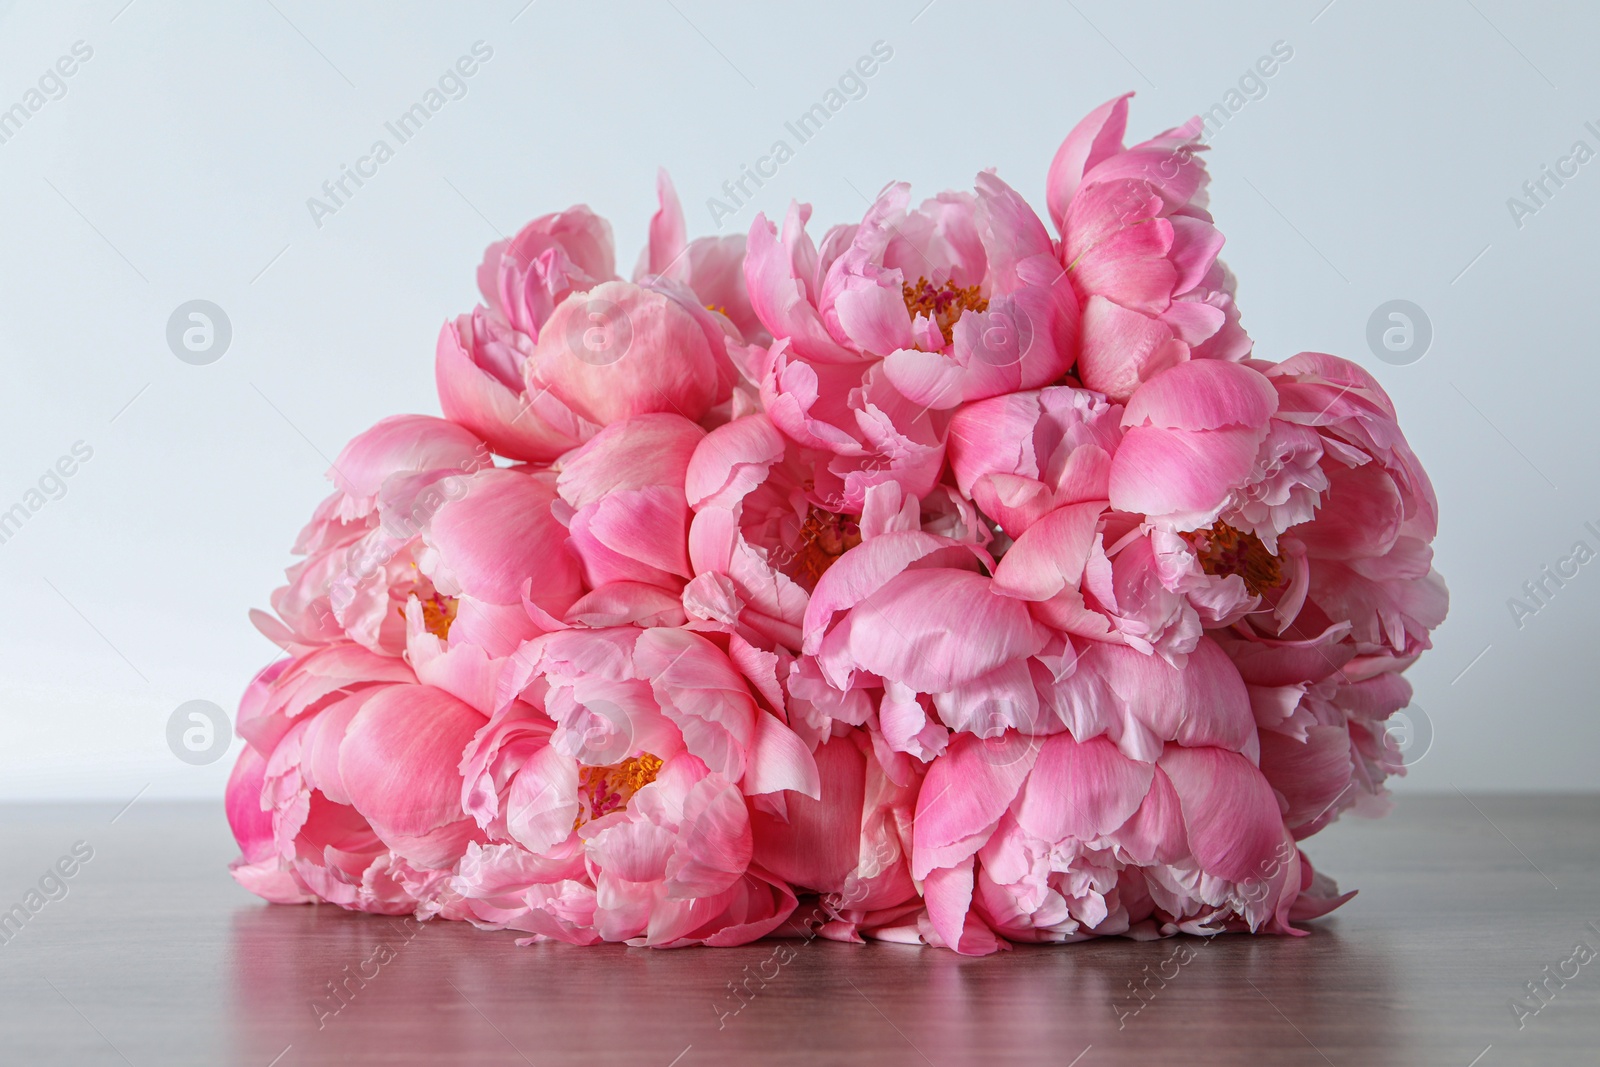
154, 956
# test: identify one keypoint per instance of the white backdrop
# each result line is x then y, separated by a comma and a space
176, 159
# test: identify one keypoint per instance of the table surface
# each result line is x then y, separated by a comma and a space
154, 956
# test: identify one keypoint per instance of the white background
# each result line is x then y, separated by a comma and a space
178, 165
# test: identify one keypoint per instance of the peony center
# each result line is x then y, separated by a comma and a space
944, 304
1223, 551
438, 611
824, 537
603, 790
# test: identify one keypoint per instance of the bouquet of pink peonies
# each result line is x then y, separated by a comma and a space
945, 581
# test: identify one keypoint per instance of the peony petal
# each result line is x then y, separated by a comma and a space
1121, 348
948, 892
1206, 394
1081, 791
1229, 809
714, 844
668, 235
780, 297
1096, 137
542, 804
1050, 554
399, 762
964, 795
1156, 833
934, 628
731, 461
510, 423
1187, 478
816, 846
500, 534
779, 760
1311, 775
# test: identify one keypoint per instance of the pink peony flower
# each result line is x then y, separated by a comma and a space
711, 267
898, 318
488, 554
762, 536
1140, 251
1022, 455
757, 542
1262, 483
562, 347
357, 574
863, 430
1368, 548
349, 792
962, 295
624, 505
624, 762
1059, 839
481, 356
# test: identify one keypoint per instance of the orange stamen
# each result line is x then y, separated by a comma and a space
1224, 551
824, 537
943, 303
603, 790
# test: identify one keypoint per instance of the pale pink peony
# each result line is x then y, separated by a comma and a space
607, 354
962, 294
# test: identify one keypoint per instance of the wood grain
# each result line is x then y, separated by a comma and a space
154, 956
